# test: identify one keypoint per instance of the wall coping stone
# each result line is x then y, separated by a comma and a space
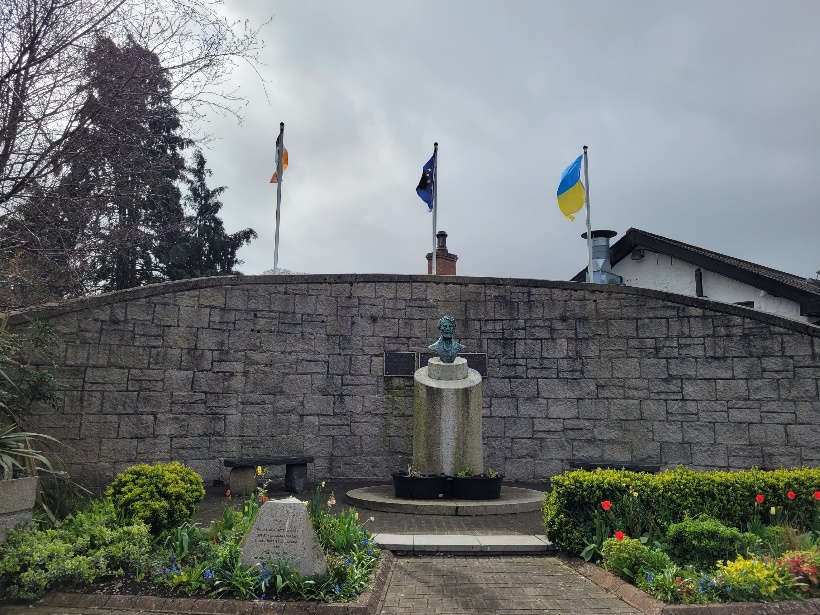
84, 303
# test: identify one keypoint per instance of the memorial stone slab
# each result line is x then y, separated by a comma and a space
283, 528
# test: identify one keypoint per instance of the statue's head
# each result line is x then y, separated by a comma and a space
447, 326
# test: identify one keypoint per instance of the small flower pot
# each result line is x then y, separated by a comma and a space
425, 487
476, 487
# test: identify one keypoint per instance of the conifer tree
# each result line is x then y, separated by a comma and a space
204, 248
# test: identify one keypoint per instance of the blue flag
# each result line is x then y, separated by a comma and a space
427, 182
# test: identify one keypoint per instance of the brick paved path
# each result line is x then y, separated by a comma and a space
441, 585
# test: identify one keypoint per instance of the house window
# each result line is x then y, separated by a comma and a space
748, 304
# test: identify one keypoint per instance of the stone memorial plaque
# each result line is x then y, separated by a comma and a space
400, 363
283, 528
476, 361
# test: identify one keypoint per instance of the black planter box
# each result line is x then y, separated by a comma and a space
420, 487
476, 487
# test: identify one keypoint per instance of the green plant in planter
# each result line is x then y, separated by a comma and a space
20, 385
18, 457
465, 472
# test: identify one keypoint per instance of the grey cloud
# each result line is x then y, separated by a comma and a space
700, 117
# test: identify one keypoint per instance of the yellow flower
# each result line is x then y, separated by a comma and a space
305, 503
356, 516
772, 510
323, 484
259, 470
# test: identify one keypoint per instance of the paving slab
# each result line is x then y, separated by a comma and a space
464, 543
436, 543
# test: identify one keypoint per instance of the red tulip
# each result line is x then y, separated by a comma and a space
606, 504
791, 495
817, 495
759, 498
619, 535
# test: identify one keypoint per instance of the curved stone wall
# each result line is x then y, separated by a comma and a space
208, 369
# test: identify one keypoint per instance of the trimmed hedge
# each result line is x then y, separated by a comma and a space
641, 500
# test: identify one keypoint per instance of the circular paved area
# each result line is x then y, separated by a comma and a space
382, 498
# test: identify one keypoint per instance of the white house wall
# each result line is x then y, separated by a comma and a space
666, 273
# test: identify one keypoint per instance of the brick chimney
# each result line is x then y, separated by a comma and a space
445, 261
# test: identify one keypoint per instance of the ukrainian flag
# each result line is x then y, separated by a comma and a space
571, 190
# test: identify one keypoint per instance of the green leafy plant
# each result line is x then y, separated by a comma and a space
89, 544
465, 472
624, 557
594, 542
490, 473
182, 539
18, 456
163, 495
702, 541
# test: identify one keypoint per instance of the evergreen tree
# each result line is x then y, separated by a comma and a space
204, 248
127, 168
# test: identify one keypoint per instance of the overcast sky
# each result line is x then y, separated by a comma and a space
702, 121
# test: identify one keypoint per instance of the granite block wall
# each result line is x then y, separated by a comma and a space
203, 370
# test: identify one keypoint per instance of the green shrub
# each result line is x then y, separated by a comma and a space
87, 546
639, 500
163, 495
570, 508
624, 557
655, 561
701, 542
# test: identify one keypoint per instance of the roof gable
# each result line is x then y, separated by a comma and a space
771, 280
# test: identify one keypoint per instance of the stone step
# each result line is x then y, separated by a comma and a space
507, 544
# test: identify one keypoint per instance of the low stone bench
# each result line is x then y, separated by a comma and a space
243, 472
632, 466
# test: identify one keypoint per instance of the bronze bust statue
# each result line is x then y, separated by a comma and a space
446, 347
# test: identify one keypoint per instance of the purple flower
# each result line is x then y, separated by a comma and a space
368, 552
208, 575
173, 559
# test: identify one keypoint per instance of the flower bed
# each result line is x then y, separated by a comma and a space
103, 542
688, 537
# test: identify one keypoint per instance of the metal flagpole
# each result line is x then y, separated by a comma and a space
435, 200
280, 148
589, 227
